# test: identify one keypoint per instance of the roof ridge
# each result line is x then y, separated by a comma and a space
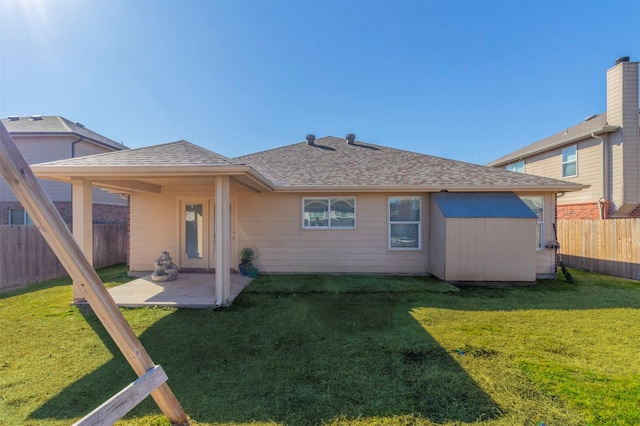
65, 122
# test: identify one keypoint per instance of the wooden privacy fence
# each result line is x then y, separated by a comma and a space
609, 246
25, 257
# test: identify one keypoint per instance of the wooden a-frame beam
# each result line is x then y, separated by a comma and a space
46, 217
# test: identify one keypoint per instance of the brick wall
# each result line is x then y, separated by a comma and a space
589, 210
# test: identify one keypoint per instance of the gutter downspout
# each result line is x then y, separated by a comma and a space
73, 147
605, 173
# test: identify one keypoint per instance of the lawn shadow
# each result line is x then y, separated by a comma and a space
34, 287
292, 359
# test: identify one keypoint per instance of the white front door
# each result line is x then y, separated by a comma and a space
196, 229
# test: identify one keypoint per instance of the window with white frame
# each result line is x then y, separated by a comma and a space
405, 222
569, 161
19, 217
329, 213
516, 167
536, 204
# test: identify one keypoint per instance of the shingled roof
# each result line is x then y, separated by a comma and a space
595, 125
332, 162
179, 154
38, 125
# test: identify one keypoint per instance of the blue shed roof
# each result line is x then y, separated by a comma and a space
482, 205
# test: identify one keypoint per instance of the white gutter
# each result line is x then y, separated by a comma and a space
505, 161
435, 188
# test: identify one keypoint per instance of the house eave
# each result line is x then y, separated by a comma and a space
569, 140
114, 145
110, 175
431, 188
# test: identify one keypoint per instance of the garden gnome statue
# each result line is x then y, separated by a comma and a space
165, 269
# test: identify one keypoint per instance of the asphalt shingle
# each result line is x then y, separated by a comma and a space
583, 128
180, 153
54, 124
333, 162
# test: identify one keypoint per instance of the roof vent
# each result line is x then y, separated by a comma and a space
310, 139
36, 117
591, 117
622, 59
14, 117
351, 138
77, 123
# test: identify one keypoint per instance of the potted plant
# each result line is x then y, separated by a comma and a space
246, 258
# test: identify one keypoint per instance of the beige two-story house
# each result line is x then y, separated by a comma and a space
602, 151
43, 138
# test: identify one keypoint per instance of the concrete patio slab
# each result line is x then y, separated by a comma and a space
195, 291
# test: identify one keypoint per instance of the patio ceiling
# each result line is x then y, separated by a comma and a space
127, 179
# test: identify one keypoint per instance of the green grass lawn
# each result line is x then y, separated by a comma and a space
340, 350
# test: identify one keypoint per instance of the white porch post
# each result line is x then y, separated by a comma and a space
82, 211
223, 240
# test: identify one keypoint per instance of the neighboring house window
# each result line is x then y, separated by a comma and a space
404, 223
329, 212
516, 167
19, 217
536, 204
569, 161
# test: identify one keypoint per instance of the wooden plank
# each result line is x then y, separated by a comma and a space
125, 400
46, 217
610, 246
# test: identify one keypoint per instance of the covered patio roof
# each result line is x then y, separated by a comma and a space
149, 169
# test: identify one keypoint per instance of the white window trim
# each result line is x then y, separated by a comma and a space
540, 222
568, 162
329, 227
418, 222
26, 219
513, 167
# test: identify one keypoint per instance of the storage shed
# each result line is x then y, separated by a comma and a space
486, 237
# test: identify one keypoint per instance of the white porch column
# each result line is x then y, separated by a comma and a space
82, 211
223, 240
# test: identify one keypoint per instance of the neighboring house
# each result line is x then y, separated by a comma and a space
46, 138
603, 152
327, 205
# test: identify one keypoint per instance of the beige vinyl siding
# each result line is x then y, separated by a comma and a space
546, 258
154, 226
616, 170
437, 242
614, 95
460, 250
155, 223
622, 110
631, 165
272, 225
589, 153
502, 257
100, 196
83, 148
51, 148
37, 150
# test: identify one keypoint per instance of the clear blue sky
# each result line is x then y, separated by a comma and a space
467, 80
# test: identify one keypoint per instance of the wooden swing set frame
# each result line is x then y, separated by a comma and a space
151, 378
